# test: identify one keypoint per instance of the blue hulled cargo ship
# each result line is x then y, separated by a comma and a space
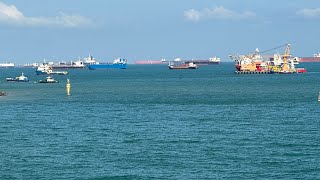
117, 64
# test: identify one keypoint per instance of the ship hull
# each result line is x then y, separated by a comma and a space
41, 73
107, 66
14, 80
67, 67
182, 67
309, 59
150, 62
53, 72
7, 65
202, 62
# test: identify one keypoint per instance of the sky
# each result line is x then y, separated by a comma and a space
34, 30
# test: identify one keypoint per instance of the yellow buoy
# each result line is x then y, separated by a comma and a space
68, 86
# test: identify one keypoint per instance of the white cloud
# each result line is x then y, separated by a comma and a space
216, 13
309, 13
192, 15
11, 15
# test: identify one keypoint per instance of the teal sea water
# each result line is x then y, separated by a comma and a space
150, 122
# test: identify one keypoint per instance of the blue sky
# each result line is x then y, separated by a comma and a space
34, 30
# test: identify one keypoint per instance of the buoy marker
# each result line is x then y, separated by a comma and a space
68, 87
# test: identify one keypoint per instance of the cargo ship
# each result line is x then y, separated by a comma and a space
162, 61
7, 65
213, 60
182, 66
117, 64
32, 65
315, 58
70, 65
45, 69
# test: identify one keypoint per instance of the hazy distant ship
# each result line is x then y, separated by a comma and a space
6, 65
33, 65
46, 69
70, 65
213, 60
162, 61
315, 58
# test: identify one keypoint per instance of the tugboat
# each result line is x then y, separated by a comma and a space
49, 79
21, 78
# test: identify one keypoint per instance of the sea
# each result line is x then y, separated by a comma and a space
149, 122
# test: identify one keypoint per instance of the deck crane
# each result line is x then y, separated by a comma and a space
285, 57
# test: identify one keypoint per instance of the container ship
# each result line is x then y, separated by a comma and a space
315, 58
210, 61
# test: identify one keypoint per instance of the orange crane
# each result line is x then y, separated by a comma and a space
285, 57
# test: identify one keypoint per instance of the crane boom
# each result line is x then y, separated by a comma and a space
274, 48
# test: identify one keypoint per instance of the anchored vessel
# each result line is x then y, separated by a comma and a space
183, 66
71, 65
315, 58
45, 69
254, 63
7, 65
151, 61
117, 64
21, 78
213, 60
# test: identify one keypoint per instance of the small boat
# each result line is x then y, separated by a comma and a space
21, 78
191, 65
49, 79
319, 97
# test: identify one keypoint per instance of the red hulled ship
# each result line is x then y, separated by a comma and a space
315, 58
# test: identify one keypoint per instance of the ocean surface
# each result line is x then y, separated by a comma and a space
149, 122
